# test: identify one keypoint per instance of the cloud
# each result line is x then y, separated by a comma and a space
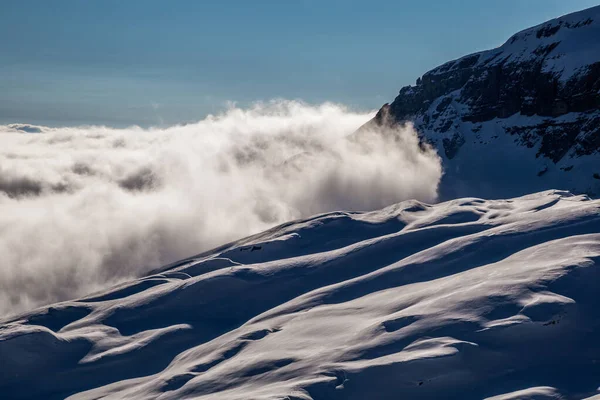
24, 128
86, 207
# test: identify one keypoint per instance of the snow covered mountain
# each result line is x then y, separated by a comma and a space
519, 118
466, 299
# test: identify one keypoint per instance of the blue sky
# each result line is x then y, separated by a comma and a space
148, 62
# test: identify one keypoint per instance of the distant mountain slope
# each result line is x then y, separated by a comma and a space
519, 118
466, 299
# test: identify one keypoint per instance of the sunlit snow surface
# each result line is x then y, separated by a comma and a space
467, 299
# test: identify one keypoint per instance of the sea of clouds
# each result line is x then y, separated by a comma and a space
82, 208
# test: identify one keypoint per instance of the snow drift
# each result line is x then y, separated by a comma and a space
467, 299
85, 207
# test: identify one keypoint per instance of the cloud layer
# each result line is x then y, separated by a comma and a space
86, 207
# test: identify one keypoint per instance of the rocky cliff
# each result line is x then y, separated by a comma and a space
524, 116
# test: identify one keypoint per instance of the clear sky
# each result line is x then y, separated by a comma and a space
148, 62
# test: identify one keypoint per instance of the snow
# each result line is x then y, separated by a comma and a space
509, 156
493, 163
536, 393
467, 299
575, 36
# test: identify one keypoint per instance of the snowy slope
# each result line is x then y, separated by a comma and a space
467, 299
516, 119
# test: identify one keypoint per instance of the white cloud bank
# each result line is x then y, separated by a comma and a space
85, 207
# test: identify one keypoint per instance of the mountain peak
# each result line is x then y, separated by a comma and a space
530, 106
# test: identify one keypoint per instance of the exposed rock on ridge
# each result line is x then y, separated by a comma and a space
540, 90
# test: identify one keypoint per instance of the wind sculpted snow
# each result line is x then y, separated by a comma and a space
467, 299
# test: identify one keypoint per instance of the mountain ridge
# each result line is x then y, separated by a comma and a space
460, 300
465, 299
533, 102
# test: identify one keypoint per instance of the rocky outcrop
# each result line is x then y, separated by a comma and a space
539, 91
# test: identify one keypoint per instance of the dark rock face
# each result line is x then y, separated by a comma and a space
451, 146
541, 89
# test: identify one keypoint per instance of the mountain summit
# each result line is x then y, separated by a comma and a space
524, 116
